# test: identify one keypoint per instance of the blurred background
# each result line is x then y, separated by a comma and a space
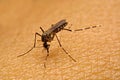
97, 51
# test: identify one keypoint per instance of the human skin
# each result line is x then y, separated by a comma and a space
97, 51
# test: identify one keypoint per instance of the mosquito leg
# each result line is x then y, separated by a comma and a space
88, 28
35, 38
67, 29
64, 49
79, 29
31, 47
42, 29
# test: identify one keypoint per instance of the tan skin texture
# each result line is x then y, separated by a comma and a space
97, 51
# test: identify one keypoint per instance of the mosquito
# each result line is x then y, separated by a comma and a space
48, 36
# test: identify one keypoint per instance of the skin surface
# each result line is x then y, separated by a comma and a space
97, 51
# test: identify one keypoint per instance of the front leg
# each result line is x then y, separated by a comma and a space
31, 47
